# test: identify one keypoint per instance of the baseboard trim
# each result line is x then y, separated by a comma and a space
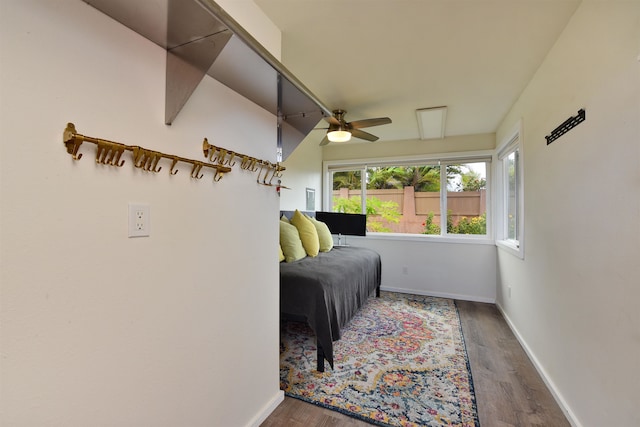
267, 410
439, 294
566, 409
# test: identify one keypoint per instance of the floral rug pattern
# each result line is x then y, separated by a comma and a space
401, 361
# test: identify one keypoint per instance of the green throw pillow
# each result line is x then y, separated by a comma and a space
291, 243
324, 235
308, 233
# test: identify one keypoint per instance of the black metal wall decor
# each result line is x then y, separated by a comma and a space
566, 126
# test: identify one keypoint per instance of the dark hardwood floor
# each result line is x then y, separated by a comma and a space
509, 391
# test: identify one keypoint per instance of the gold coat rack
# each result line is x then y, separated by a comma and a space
110, 153
267, 171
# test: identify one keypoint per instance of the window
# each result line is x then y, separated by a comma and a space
421, 197
347, 190
511, 168
466, 198
510, 218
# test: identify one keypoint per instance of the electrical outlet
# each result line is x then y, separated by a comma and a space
139, 220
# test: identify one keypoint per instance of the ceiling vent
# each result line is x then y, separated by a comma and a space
431, 122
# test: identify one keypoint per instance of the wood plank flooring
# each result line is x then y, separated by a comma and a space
509, 391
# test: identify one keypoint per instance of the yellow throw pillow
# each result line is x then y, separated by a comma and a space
284, 218
281, 257
324, 235
308, 233
291, 243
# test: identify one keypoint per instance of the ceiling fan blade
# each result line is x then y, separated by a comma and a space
324, 141
357, 133
357, 124
332, 120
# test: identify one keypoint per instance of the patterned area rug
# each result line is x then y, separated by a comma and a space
401, 362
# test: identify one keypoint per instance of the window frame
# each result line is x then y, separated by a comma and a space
444, 159
444, 163
511, 143
328, 184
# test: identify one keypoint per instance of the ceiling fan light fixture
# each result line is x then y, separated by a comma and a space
339, 135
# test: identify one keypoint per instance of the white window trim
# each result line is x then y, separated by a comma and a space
511, 141
444, 158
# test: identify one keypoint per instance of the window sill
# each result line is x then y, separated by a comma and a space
468, 240
511, 247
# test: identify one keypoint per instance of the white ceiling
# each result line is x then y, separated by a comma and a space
390, 57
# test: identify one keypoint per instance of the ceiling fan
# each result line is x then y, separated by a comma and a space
341, 131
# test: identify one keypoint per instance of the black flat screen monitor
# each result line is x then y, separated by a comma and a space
346, 224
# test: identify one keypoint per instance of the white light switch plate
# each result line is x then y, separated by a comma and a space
139, 220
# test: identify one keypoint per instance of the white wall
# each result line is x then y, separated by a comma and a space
304, 170
463, 271
255, 22
180, 328
574, 298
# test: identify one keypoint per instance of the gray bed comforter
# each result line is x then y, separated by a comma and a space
327, 290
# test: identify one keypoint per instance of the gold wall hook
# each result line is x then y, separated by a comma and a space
278, 171
154, 159
71, 141
231, 163
116, 158
207, 149
147, 160
267, 172
173, 170
196, 170
110, 153
214, 154
221, 158
259, 173
225, 157
273, 174
101, 152
138, 157
253, 166
245, 162
218, 175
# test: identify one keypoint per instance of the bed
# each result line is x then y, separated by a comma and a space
327, 290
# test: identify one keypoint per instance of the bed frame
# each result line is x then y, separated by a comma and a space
326, 291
